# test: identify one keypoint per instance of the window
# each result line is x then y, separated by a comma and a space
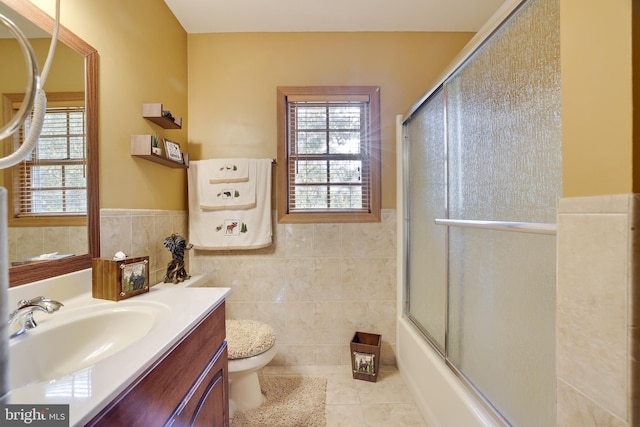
51, 182
329, 154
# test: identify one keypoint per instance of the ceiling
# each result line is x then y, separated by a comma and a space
28, 28
216, 16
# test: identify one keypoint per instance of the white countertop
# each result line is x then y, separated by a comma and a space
89, 390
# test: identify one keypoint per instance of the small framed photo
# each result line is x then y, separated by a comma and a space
173, 151
135, 277
364, 363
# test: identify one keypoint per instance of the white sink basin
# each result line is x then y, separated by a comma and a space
88, 352
71, 340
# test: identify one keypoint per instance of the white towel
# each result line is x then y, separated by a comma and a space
231, 228
227, 195
226, 170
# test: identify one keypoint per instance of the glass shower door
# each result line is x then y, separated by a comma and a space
486, 147
505, 165
426, 200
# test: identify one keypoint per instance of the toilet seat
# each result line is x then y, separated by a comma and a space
248, 338
247, 365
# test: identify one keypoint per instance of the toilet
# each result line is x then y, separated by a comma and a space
250, 347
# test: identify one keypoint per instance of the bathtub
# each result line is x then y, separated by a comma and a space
442, 399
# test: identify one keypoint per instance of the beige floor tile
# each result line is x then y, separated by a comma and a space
342, 391
358, 403
389, 388
392, 414
330, 371
345, 416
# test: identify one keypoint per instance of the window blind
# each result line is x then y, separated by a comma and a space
52, 180
328, 155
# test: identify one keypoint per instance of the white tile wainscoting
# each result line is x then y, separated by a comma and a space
319, 283
597, 312
316, 285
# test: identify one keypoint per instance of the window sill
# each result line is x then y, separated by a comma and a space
338, 217
49, 221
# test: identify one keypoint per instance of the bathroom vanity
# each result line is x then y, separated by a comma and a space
159, 358
187, 386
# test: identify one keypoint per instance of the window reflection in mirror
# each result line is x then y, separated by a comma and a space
47, 191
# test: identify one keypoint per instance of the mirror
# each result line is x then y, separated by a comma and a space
41, 270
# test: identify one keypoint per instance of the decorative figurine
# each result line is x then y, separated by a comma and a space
176, 272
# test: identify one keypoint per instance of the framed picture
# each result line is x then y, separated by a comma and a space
173, 151
135, 277
364, 363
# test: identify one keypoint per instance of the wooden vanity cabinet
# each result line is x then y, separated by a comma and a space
208, 402
187, 386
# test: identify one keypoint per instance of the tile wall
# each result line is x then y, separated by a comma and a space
596, 332
141, 233
28, 242
316, 285
319, 283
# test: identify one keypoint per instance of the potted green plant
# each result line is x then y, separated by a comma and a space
155, 147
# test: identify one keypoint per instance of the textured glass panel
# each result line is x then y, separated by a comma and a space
426, 278
504, 121
505, 164
502, 320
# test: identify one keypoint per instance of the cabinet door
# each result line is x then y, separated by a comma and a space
155, 395
207, 403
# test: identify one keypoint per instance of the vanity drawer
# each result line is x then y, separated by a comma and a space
152, 397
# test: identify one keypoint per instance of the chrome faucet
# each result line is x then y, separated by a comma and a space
23, 315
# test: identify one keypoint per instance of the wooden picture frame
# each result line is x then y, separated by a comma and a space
135, 277
172, 150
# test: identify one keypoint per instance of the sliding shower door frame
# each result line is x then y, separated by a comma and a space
483, 36
441, 351
439, 347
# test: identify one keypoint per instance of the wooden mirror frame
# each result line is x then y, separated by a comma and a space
44, 270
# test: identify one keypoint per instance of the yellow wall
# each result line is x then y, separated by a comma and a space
231, 87
597, 101
66, 74
143, 58
233, 79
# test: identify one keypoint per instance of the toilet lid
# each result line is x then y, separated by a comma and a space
246, 338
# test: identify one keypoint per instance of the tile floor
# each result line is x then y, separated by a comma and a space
357, 403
